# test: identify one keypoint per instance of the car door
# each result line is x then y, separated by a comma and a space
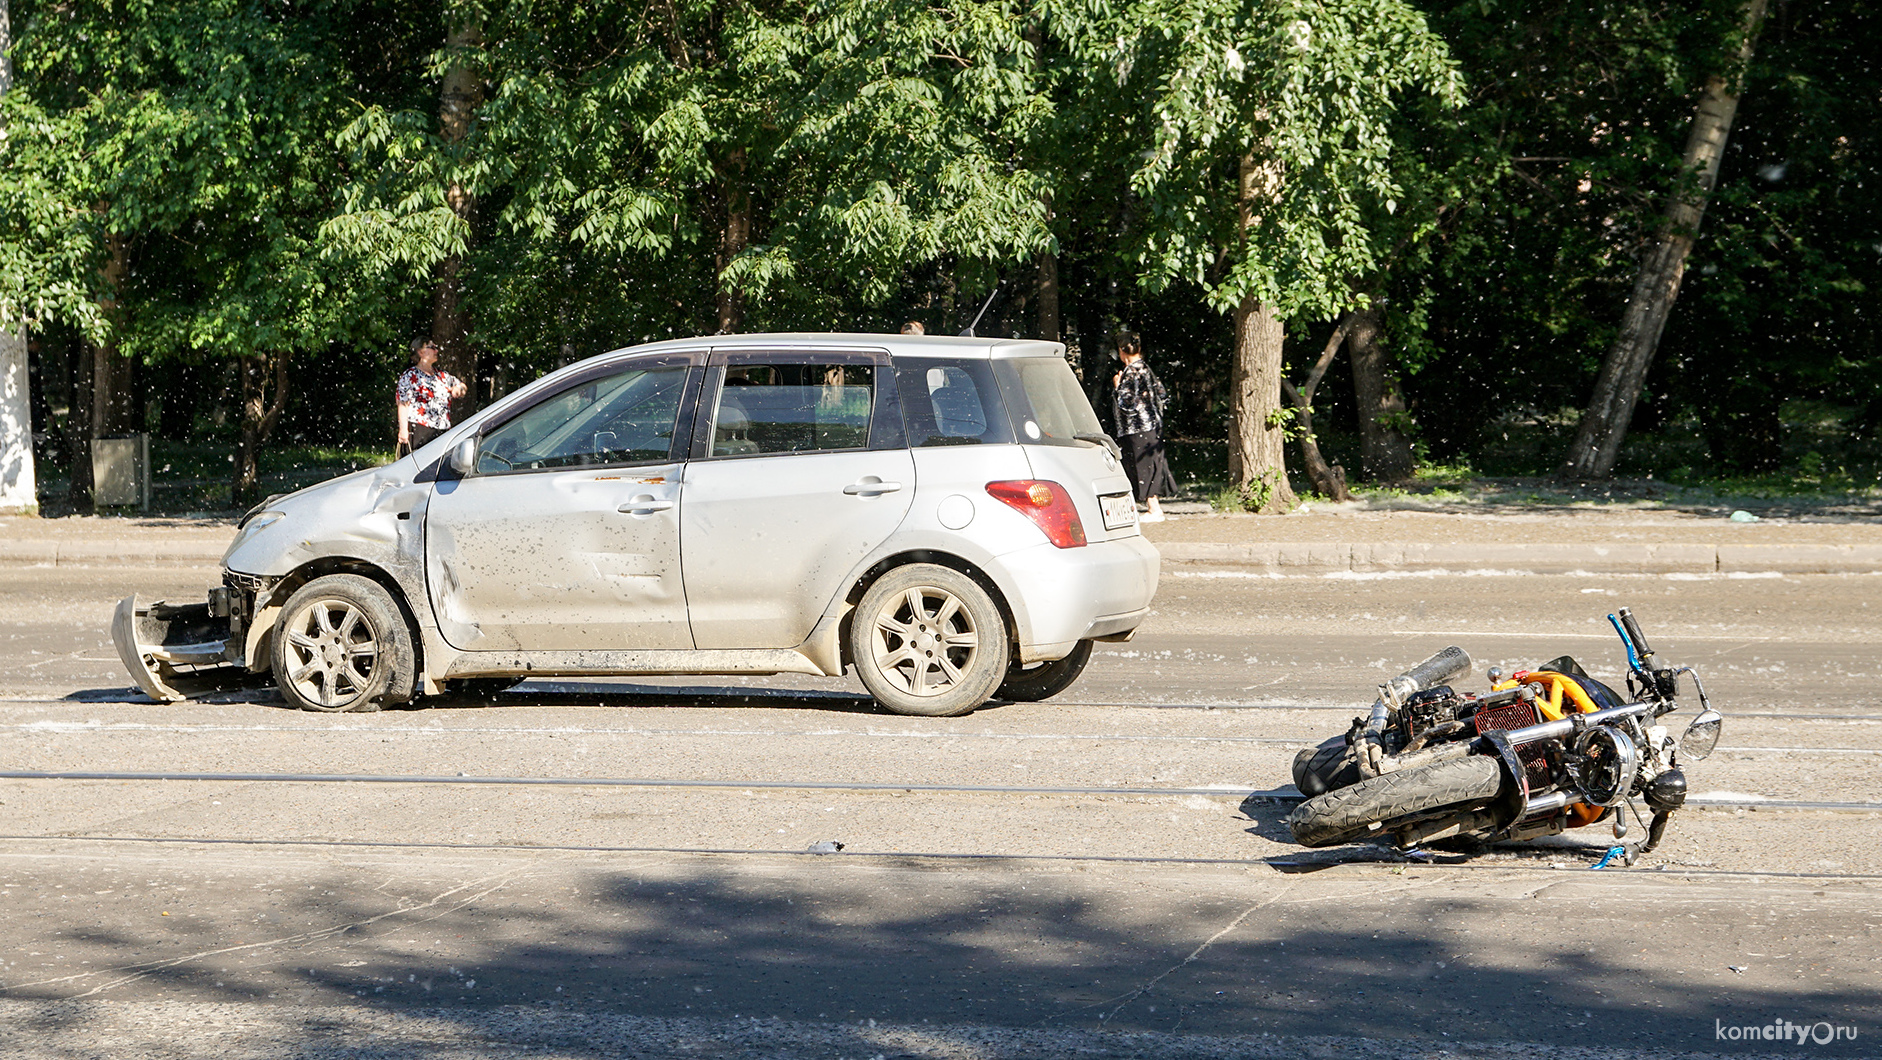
800, 470
565, 535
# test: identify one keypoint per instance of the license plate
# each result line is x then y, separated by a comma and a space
1119, 511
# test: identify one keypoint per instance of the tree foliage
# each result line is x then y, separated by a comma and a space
1482, 174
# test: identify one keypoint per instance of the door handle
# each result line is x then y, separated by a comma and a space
871, 486
646, 504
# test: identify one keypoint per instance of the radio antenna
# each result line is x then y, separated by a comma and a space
969, 333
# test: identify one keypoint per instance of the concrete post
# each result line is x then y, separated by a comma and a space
19, 489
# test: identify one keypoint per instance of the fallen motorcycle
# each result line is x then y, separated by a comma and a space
1546, 750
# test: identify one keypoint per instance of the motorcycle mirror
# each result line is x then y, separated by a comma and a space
464, 457
1702, 735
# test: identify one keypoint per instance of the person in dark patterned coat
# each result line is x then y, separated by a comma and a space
1138, 400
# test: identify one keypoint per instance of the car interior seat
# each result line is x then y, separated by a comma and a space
731, 431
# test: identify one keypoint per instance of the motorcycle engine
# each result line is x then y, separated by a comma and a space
1430, 708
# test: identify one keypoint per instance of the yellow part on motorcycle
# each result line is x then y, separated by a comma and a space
1558, 688
1555, 689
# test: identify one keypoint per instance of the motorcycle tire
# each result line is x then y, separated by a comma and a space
1328, 767
1363, 809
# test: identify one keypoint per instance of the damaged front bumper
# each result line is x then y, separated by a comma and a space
177, 651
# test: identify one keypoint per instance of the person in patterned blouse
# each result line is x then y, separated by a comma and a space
424, 397
1137, 400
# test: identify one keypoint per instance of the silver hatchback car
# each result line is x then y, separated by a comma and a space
945, 515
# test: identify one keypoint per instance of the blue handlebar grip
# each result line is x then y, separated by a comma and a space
1633, 660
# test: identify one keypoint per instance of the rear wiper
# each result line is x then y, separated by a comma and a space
1102, 439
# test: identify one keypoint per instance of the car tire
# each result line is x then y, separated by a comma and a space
1030, 684
928, 640
341, 644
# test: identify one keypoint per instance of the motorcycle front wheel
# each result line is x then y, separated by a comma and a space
1351, 813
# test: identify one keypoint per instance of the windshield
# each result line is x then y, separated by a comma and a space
618, 419
1060, 412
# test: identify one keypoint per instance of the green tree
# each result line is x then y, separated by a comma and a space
1604, 423
1265, 136
204, 137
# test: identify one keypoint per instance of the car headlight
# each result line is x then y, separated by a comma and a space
252, 524
260, 509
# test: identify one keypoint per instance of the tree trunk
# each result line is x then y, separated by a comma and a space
19, 488
734, 237
1330, 480
1046, 292
458, 100
1604, 425
101, 393
1385, 450
78, 426
1257, 441
260, 412
113, 394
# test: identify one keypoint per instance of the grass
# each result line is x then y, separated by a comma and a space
1814, 487
194, 478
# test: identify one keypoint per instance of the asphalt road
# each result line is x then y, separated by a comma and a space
1088, 876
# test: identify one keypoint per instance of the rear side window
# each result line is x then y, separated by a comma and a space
793, 408
951, 402
1049, 402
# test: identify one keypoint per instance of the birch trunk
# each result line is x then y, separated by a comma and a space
1604, 425
19, 487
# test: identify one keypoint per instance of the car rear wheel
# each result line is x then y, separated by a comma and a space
928, 640
341, 645
1030, 684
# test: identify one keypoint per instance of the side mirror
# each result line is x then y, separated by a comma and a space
1702, 735
464, 456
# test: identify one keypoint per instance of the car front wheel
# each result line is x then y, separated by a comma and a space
341, 645
928, 640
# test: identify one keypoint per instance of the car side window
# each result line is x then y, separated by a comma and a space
792, 408
951, 402
626, 418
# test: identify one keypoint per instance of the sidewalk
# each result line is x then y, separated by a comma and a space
1596, 540
1320, 540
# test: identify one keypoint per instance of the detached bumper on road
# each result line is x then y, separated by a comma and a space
174, 651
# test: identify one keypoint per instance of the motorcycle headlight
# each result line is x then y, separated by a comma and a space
1702, 735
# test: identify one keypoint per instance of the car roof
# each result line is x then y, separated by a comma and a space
896, 345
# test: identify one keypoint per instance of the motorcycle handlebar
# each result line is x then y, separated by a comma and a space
1634, 634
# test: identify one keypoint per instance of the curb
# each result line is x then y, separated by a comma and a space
1315, 558
133, 553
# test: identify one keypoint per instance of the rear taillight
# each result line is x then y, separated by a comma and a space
1047, 504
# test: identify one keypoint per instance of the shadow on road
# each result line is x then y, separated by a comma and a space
915, 943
